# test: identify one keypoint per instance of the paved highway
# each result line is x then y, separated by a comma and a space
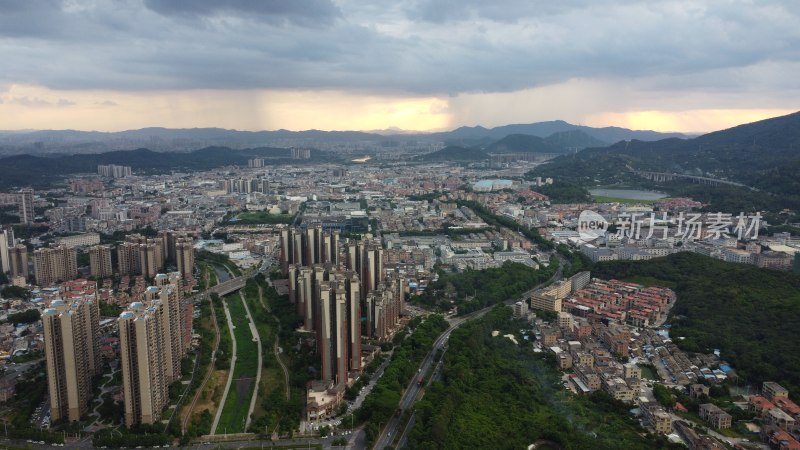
413, 389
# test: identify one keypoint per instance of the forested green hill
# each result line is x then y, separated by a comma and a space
751, 315
499, 395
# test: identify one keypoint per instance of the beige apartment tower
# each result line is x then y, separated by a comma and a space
54, 264
100, 261
71, 332
18, 261
152, 345
184, 256
144, 383
140, 256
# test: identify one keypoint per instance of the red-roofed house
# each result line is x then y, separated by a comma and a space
788, 406
782, 440
759, 404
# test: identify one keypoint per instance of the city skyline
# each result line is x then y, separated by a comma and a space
413, 65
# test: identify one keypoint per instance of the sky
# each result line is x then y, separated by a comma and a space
691, 66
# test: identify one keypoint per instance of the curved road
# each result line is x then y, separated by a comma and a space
230, 371
413, 389
260, 366
277, 340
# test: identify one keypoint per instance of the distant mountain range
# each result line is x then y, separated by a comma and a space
558, 143
764, 155
166, 139
544, 129
42, 171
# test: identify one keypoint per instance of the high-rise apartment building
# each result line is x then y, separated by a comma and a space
113, 171
71, 334
26, 212
18, 261
139, 255
314, 246
366, 258
152, 345
168, 290
5, 263
338, 326
54, 264
301, 153
329, 300
184, 256
384, 306
100, 261
144, 381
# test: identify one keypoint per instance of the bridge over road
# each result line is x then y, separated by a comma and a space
662, 176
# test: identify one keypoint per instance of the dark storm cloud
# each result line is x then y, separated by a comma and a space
416, 47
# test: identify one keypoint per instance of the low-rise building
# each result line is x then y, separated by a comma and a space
521, 310
588, 377
698, 390
619, 389
716, 417
780, 419
772, 389
658, 419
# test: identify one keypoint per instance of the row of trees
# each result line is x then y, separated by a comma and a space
493, 219
383, 400
484, 287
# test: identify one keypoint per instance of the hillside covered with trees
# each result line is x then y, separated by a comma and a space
751, 315
764, 155
500, 395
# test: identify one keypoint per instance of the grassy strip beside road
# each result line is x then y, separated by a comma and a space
274, 412
211, 392
382, 401
265, 419
209, 339
234, 412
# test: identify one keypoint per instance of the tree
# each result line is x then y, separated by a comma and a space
663, 396
28, 316
16, 292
